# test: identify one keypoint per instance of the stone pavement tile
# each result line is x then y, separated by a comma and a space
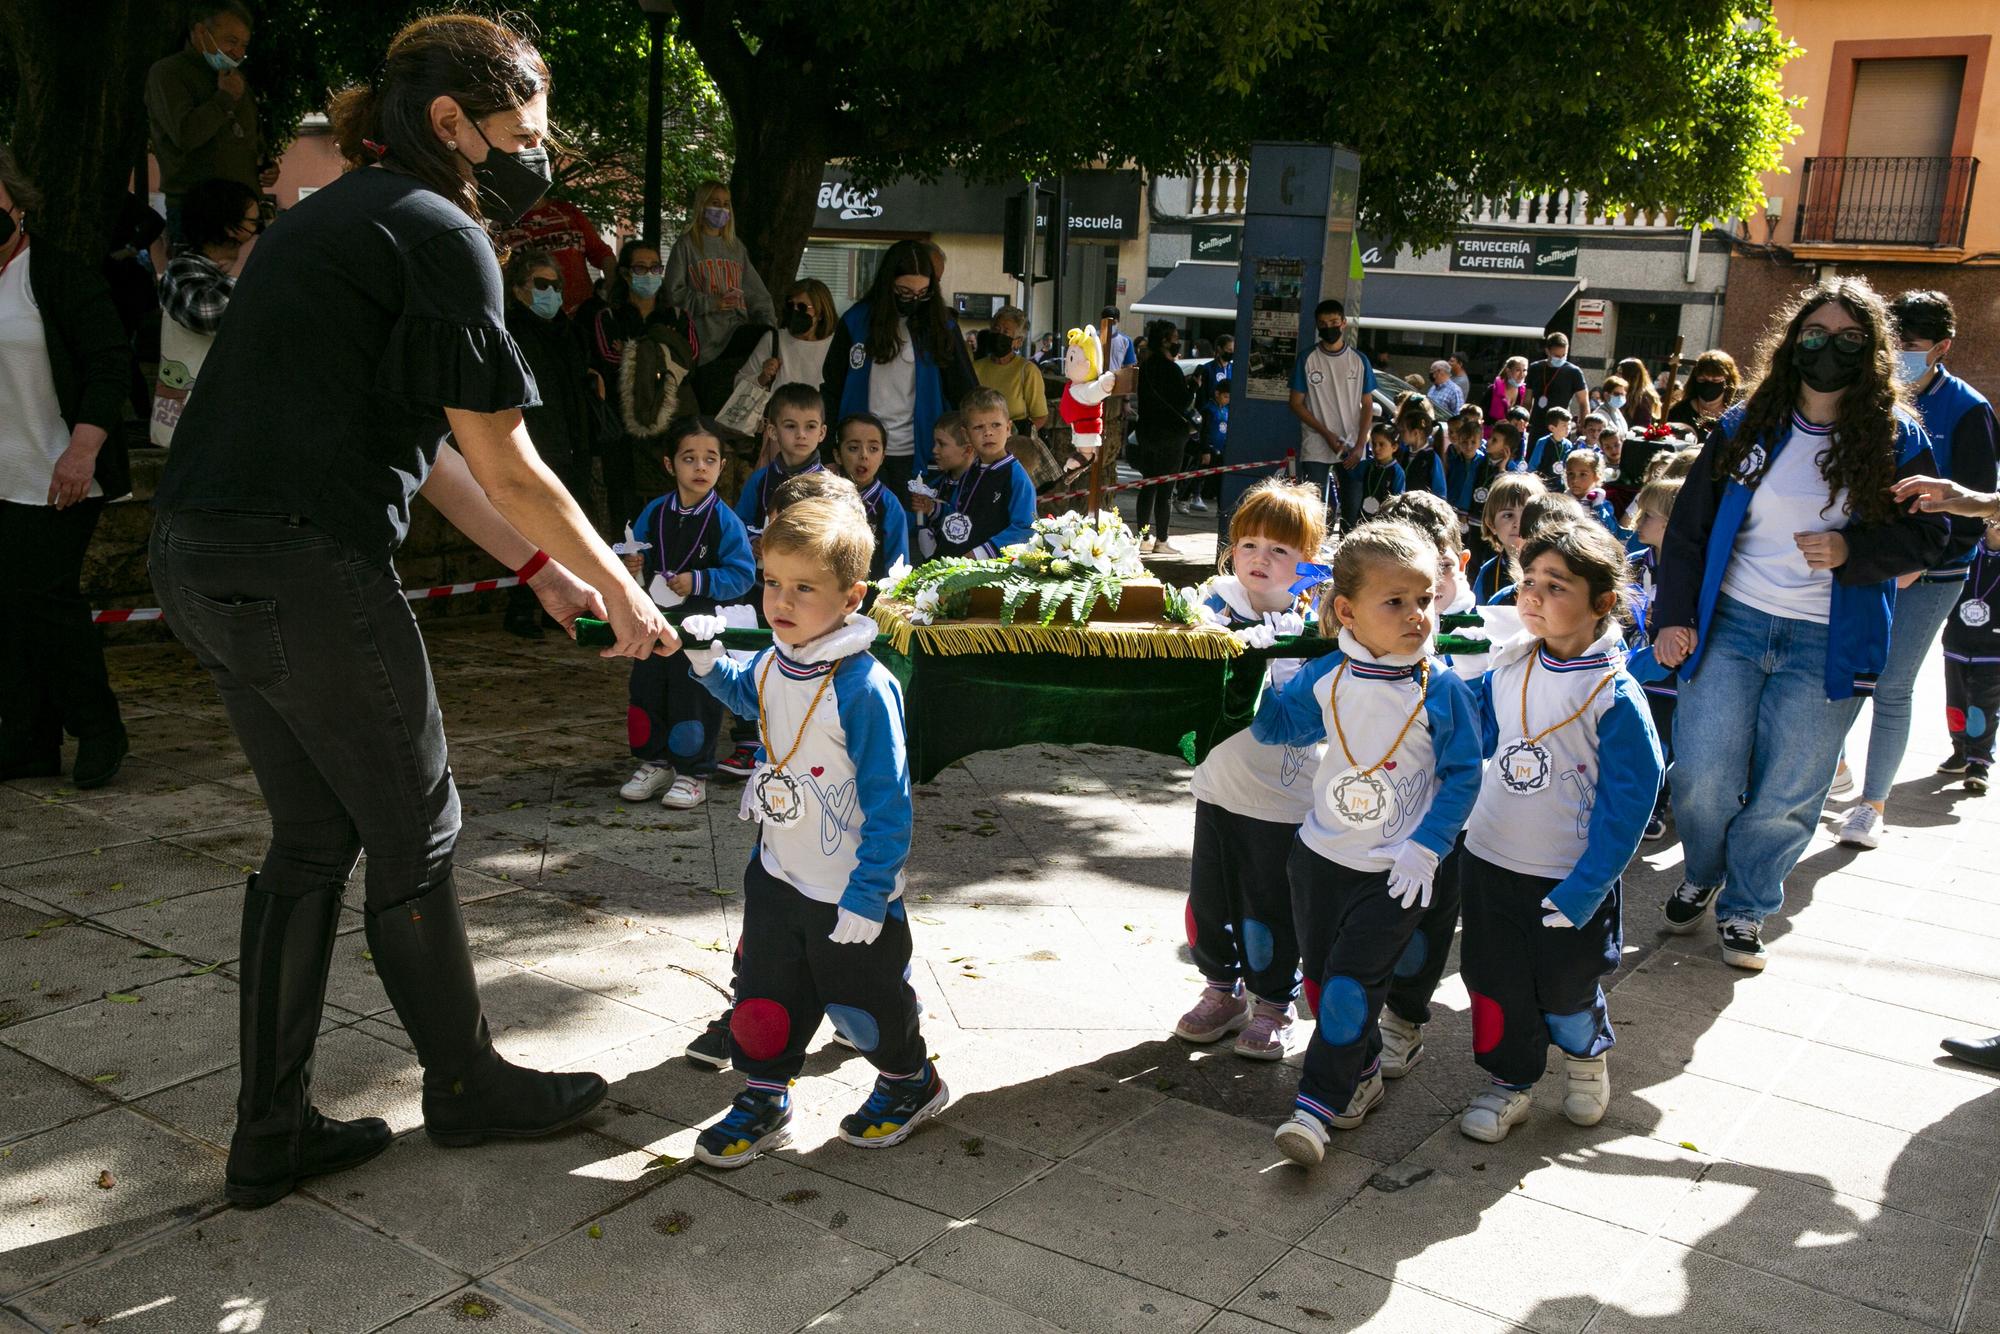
536, 1020
1937, 907
1225, 1165
249, 1270
911, 1300
1831, 922
1307, 1292
13, 1324
942, 1167
863, 1216
1099, 1221
554, 749
678, 899
55, 1213
1694, 988
1463, 1240
1672, 1290
1053, 1287
478, 1208
354, 1074
1952, 1105
1982, 1308
241, 846
727, 1265
1229, 1322
1966, 997
1943, 947
34, 1097
84, 882
1914, 1173
178, 1029
1652, 1037
138, 773
36, 831
478, 1307
177, 810
1656, 1101
1604, 1171
205, 927
653, 1075
1894, 1032
1835, 1243
50, 962
660, 972
351, 983
531, 927
1056, 1114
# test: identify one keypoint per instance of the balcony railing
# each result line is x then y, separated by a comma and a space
1912, 201
1220, 190
1567, 210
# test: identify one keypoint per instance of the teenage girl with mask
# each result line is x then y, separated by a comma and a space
795, 352
710, 276
1777, 580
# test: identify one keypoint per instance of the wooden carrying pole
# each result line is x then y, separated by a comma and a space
1097, 455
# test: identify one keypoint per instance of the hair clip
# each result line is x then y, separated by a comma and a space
379, 150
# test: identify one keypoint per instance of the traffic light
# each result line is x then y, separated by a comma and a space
1033, 213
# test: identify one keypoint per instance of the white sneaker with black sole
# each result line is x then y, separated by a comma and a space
649, 780
1742, 944
1861, 827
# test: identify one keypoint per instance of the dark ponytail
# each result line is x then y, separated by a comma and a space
484, 66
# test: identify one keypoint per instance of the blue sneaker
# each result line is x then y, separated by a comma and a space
894, 1109
758, 1120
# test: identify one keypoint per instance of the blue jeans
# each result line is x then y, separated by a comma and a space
1921, 610
1755, 745
1318, 475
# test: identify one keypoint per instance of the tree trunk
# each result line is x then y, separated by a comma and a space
80, 118
781, 156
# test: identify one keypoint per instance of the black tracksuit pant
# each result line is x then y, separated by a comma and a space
1239, 911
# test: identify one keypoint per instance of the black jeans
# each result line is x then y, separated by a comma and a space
324, 674
1157, 458
52, 676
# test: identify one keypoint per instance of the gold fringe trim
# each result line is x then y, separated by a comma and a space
1110, 640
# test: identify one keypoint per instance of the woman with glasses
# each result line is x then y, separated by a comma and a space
794, 352
641, 348
218, 218
898, 355
1776, 585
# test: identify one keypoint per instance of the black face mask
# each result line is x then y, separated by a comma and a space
1330, 336
1706, 391
1226, 355
1830, 368
510, 183
798, 323
907, 306
1173, 349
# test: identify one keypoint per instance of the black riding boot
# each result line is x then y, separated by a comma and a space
280, 1136
470, 1093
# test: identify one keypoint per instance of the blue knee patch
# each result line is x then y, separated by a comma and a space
1975, 721
688, 738
1414, 955
1343, 1010
1256, 944
857, 1026
1574, 1033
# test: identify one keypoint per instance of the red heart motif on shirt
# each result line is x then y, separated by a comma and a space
1388, 764
818, 769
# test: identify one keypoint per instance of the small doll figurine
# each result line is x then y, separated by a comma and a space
1082, 406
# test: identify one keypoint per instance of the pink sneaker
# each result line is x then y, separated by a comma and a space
1264, 1039
1215, 1016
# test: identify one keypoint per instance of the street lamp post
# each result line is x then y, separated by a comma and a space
656, 12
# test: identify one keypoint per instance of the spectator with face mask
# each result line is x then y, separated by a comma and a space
710, 276
636, 320
560, 230
1711, 388
202, 118
1012, 374
1554, 382
795, 352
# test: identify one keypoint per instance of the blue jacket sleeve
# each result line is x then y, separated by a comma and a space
1367, 374
1684, 552
1020, 514
871, 714
746, 504
644, 530
1299, 372
1291, 716
735, 684
1489, 721
734, 571
1455, 737
1628, 782
895, 531
1397, 482
1906, 544
1972, 467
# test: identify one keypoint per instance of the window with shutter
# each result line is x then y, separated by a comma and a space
1897, 172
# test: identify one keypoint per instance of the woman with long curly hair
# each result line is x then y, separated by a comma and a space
1777, 581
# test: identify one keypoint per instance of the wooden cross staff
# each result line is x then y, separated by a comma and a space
1097, 455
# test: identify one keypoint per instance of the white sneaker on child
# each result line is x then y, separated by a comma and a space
647, 781
1302, 1139
1493, 1113
1589, 1094
1402, 1044
685, 794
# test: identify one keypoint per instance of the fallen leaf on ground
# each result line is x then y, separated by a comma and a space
105, 1181
121, 998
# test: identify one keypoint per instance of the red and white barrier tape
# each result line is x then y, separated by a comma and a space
1284, 463
128, 615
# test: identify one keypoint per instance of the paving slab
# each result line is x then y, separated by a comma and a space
473, 1308
354, 1074
249, 1270
1308, 1292
174, 1030
34, 1097
1048, 1285
911, 1300
104, 880
51, 962
1672, 1290
204, 927
865, 1217
176, 808
36, 830
942, 1167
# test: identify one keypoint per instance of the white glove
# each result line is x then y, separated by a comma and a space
701, 661
854, 929
1256, 636
1556, 916
700, 641
1285, 624
703, 626
741, 616
1472, 666
1411, 873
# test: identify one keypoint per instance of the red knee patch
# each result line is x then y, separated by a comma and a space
1192, 938
761, 1027
1488, 1023
1312, 997
1954, 719
638, 727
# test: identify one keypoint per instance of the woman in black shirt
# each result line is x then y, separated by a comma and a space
1164, 399
368, 324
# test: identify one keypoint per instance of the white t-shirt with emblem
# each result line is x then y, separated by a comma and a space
1766, 569
1334, 383
892, 393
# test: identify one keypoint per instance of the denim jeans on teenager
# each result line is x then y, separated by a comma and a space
1755, 745
1921, 610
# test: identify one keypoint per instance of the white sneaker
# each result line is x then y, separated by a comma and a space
1843, 783
1197, 506
1146, 545
1493, 1113
1165, 547
1861, 827
1402, 1045
1589, 1094
1302, 1139
685, 794
1363, 1102
647, 781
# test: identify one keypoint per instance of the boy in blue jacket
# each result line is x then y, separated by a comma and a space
993, 504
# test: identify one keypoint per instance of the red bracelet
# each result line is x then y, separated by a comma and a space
533, 567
